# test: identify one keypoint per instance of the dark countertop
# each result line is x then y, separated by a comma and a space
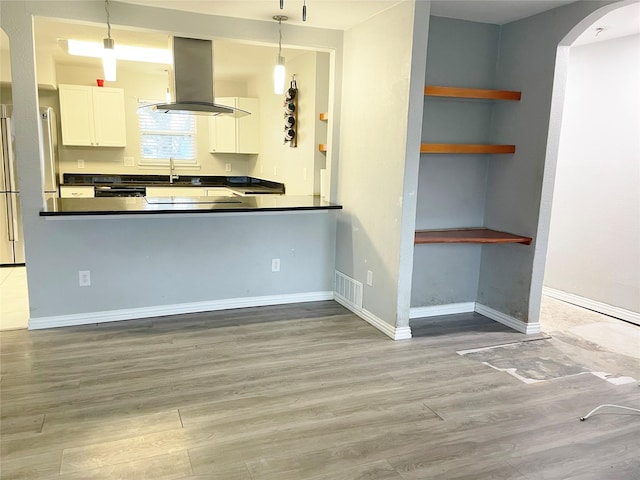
66, 207
244, 185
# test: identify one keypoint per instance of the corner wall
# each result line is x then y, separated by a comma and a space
370, 177
451, 188
527, 60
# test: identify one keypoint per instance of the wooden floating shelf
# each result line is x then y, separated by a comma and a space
477, 93
322, 147
465, 148
324, 116
468, 235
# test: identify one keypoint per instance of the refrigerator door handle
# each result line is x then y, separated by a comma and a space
7, 154
14, 209
11, 226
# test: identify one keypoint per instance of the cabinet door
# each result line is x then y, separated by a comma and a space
77, 192
76, 115
223, 129
108, 114
248, 127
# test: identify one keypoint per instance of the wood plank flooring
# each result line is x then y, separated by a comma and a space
300, 392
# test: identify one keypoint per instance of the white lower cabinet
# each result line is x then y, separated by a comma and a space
77, 192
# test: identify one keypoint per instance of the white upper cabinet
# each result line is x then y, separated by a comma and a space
92, 116
236, 135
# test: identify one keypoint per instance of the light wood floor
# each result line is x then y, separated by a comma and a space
297, 392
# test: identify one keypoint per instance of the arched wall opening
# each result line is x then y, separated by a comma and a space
590, 219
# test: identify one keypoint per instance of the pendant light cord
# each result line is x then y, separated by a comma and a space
106, 9
280, 40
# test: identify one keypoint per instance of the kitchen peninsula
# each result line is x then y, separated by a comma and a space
66, 207
162, 194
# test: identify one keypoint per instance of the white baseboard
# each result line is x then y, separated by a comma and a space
600, 307
448, 309
177, 309
512, 322
465, 307
396, 333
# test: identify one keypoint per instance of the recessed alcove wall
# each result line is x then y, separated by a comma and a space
452, 188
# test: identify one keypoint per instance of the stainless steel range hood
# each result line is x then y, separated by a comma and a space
192, 80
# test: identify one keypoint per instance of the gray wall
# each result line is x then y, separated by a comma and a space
527, 60
594, 239
370, 180
157, 261
451, 188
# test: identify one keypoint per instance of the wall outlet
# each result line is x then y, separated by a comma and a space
275, 264
227, 167
129, 162
370, 278
275, 171
80, 163
84, 278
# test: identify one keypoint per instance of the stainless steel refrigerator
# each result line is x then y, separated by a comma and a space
11, 240
49, 164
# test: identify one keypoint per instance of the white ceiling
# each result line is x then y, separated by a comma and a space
343, 14
233, 60
493, 11
618, 23
332, 14
237, 61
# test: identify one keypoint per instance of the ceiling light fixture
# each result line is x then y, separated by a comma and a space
278, 71
108, 51
123, 52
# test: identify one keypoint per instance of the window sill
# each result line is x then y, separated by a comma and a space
176, 166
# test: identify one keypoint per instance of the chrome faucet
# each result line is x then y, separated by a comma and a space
172, 167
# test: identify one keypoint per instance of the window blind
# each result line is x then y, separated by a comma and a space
164, 136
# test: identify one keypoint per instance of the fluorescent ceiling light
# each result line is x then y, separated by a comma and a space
123, 52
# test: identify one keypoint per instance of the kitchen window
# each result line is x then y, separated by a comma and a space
166, 135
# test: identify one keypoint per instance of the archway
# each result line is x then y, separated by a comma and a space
562, 120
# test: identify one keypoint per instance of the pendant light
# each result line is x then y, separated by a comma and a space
278, 71
108, 52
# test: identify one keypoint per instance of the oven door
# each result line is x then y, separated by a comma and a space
105, 191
